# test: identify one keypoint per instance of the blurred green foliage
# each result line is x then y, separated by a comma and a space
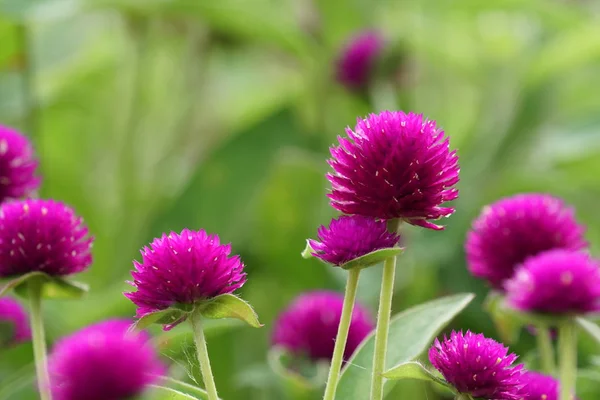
155, 115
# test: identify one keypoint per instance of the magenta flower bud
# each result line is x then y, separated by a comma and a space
358, 59
14, 323
540, 387
350, 237
17, 165
104, 361
515, 228
394, 165
478, 366
42, 235
308, 327
556, 282
184, 268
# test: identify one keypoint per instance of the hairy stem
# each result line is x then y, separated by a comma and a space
546, 350
202, 352
39, 339
567, 348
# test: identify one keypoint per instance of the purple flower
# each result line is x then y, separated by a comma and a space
556, 281
42, 235
515, 228
540, 387
358, 59
394, 165
183, 269
17, 165
104, 361
309, 326
478, 366
350, 237
14, 324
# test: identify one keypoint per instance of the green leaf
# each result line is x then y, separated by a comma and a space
298, 375
164, 317
412, 370
52, 287
372, 258
230, 306
508, 328
167, 393
589, 327
183, 388
411, 333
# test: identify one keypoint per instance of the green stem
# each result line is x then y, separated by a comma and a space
342, 334
39, 339
567, 348
545, 349
383, 326
463, 396
202, 352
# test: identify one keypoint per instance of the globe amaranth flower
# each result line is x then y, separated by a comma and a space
308, 327
556, 282
394, 165
184, 268
42, 235
478, 366
350, 237
104, 361
14, 323
514, 228
17, 165
358, 60
540, 387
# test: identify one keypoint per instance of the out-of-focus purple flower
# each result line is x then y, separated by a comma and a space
104, 361
13, 317
476, 365
309, 326
394, 165
539, 386
358, 59
556, 281
42, 235
17, 165
183, 269
350, 237
514, 228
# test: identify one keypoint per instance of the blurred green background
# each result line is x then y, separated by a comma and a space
156, 115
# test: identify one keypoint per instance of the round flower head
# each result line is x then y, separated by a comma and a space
394, 165
14, 324
515, 228
478, 366
17, 165
350, 237
357, 60
42, 235
556, 281
103, 362
183, 269
309, 326
540, 387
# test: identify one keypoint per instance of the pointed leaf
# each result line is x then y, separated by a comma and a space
183, 387
589, 327
308, 251
166, 393
167, 316
372, 258
411, 333
230, 306
52, 287
413, 370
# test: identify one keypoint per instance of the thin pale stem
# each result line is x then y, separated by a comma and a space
567, 348
342, 334
383, 326
202, 352
39, 339
545, 349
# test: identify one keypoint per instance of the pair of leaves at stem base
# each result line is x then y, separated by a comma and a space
52, 287
223, 306
365, 261
509, 321
411, 333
